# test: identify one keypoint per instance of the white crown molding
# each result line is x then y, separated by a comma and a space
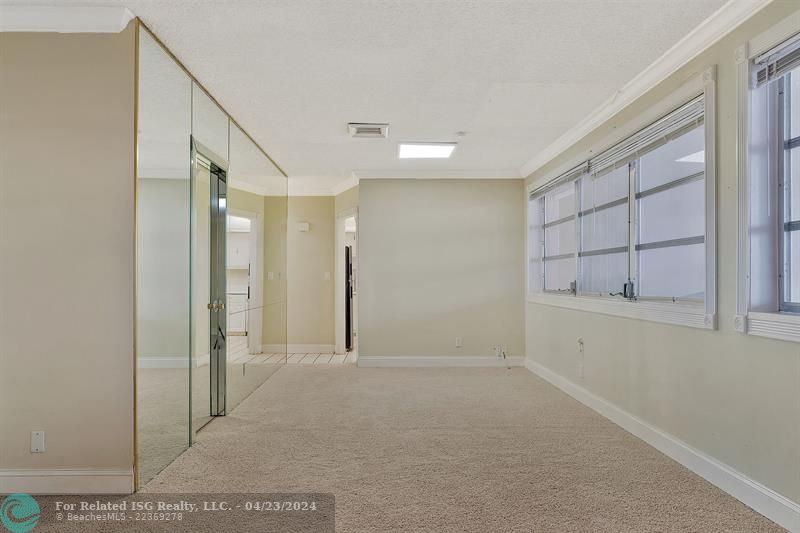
764, 500
88, 481
440, 361
444, 174
64, 19
718, 25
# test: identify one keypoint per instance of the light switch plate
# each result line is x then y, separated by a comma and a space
37, 442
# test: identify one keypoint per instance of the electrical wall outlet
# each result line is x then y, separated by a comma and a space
498, 352
459, 344
37, 442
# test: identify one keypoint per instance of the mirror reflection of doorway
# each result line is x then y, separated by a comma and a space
240, 270
209, 286
347, 284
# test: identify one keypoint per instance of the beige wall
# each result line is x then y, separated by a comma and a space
440, 259
164, 260
732, 396
67, 240
275, 289
347, 200
310, 257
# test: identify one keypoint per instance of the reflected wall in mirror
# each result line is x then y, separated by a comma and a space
163, 263
256, 290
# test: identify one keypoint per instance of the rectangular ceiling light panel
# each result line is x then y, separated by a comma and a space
425, 150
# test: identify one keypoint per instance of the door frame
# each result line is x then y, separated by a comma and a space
255, 311
217, 403
339, 305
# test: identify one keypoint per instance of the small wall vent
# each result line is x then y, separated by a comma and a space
370, 130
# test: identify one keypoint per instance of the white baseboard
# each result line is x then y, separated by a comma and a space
298, 348
66, 481
764, 500
172, 362
437, 361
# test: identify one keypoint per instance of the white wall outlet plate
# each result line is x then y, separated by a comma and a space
459, 344
37, 442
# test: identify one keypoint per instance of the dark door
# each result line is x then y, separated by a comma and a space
348, 298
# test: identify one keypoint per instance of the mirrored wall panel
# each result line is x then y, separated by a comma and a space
256, 258
163, 199
211, 252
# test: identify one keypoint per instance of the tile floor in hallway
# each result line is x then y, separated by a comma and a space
237, 353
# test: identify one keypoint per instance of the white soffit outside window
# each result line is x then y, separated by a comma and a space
64, 19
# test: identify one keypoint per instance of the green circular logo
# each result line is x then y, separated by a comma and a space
19, 513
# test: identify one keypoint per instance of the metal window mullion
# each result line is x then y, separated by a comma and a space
559, 221
604, 251
783, 127
671, 243
671, 185
576, 208
633, 225
544, 243
602, 207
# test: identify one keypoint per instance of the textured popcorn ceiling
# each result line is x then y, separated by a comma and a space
513, 74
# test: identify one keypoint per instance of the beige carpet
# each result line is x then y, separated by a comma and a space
449, 450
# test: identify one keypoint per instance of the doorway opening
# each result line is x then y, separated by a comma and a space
209, 286
240, 268
347, 284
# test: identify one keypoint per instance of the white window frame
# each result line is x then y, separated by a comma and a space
697, 315
775, 324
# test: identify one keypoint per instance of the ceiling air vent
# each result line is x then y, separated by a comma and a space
366, 129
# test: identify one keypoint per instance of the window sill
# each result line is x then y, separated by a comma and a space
664, 312
779, 326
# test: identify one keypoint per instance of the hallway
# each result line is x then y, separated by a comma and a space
446, 449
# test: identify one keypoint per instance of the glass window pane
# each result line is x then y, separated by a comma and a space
605, 188
535, 243
792, 211
560, 202
793, 82
791, 271
559, 274
560, 239
677, 159
673, 214
603, 229
602, 274
674, 272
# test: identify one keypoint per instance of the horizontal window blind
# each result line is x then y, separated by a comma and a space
570, 175
777, 62
668, 127
686, 117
